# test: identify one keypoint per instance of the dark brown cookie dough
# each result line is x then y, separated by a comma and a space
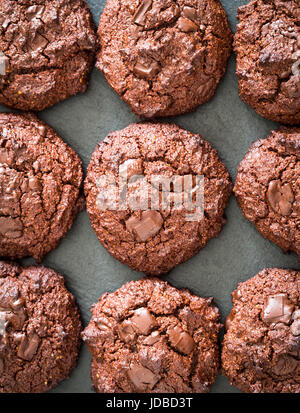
151, 337
155, 241
39, 329
164, 57
40, 180
267, 187
47, 51
261, 348
267, 46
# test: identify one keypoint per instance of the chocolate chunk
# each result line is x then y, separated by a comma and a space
143, 321
142, 378
35, 11
42, 130
16, 318
10, 227
277, 309
186, 25
285, 365
146, 227
102, 324
152, 339
3, 64
140, 15
39, 42
190, 13
1, 366
181, 340
34, 184
280, 197
28, 346
126, 331
147, 72
130, 168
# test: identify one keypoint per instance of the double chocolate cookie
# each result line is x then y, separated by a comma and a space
40, 180
163, 57
267, 187
261, 349
267, 46
47, 51
151, 337
155, 195
39, 329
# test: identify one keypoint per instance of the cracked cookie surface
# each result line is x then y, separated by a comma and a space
261, 348
163, 57
39, 329
154, 238
267, 187
267, 47
151, 337
47, 51
40, 181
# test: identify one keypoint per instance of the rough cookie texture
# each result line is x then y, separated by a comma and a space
151, 337
155, 241
261, 348
40, 180
267, 187
47, 51
267, 46
163, 57
39, 329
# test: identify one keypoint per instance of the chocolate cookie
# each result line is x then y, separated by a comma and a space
267, 187
261, 348
151, 337
39, 329
163, 57
47, 51
151, 163
267, 46
40, 180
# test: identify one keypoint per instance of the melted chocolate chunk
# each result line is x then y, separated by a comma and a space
186, 25
127, 331
142, 378
280, 197
148, 72
130, 168
140, 15
190, 13
28, 346
277, 309
146, 227
143, 321
181, 340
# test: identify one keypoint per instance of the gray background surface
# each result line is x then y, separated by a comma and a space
236, 255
